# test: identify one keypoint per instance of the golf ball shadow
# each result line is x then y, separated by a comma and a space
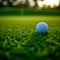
42, 27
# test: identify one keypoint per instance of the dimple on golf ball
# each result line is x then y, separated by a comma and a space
42, 27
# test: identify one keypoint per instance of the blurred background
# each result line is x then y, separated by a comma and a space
26, 7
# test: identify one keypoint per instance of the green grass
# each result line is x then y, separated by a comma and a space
28, 11
20, 41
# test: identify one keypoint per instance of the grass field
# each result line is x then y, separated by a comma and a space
20, 41
28, 11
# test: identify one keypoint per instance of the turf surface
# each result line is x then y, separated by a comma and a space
20, 41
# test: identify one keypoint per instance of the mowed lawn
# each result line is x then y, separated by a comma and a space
20, 41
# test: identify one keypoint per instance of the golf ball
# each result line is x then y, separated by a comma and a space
42, 27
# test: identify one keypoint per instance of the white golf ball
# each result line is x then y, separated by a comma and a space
42, 27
